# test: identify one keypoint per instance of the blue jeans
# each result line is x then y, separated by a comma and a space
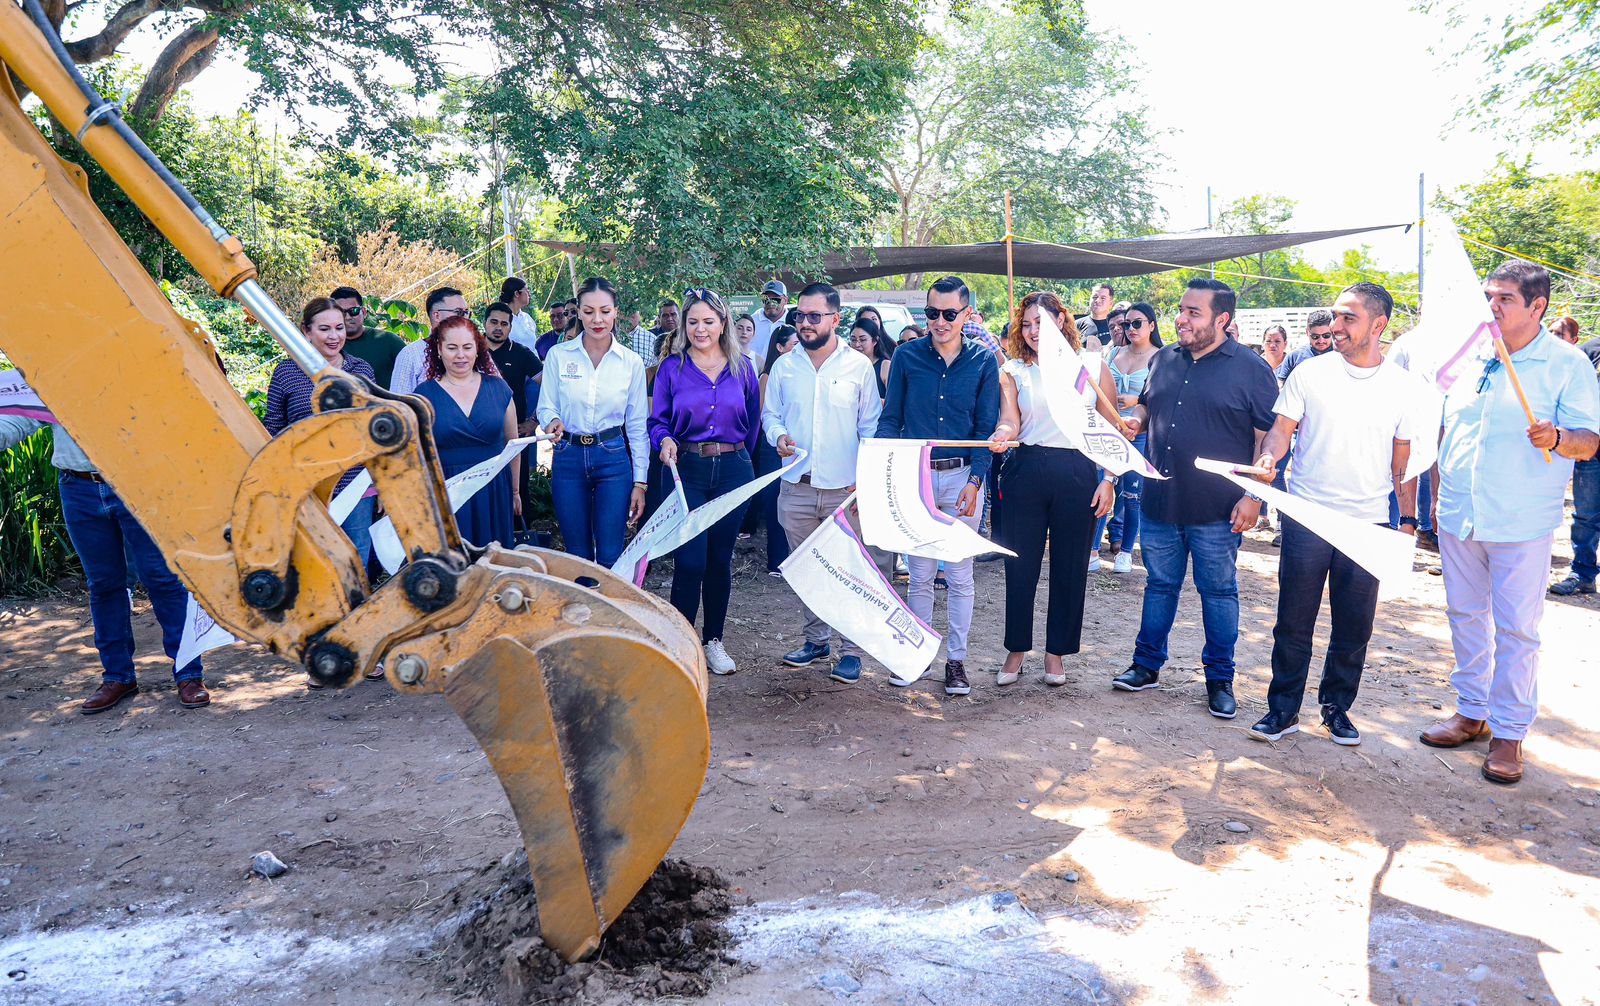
1585, 517
590, 488
1424, 504
358, 527
100, 527
703, 567
1167, 550
1125, 514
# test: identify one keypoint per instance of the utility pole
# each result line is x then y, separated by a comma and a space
1422, 214
1208, 226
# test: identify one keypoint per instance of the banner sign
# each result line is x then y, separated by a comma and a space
1071, 399
894, 493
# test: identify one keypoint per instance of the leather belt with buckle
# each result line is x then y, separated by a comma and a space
710, 449
86, 476
590, 439
947, 464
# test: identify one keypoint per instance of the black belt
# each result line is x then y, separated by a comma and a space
86, 476
711, 449
947, 464
590, 439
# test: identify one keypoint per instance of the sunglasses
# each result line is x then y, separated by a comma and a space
1488, 369
1323, 337
948, 314
697, 293
772, 300
354, 312
1135, 324
812, 317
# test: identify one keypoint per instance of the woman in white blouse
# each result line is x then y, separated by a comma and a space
1049, 488
593, 399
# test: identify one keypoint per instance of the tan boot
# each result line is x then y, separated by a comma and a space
1504, 764
1454, 732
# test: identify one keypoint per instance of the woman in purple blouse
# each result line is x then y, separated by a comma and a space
705, 415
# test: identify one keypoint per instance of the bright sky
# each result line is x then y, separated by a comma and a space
1337, 105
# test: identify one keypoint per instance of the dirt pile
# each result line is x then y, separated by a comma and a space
671, 941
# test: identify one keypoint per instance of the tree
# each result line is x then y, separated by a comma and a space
1544, 65
1023, 100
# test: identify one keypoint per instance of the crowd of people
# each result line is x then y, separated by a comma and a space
704, 401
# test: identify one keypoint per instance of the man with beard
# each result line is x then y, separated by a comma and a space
822, 398
1352, 413
1319, 340
558, 325
774, 305
946, 387
1207, 397
516, 362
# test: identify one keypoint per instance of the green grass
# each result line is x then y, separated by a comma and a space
34, 550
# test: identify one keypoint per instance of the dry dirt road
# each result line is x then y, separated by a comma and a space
1070, 845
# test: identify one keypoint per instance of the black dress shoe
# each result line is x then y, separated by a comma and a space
1136, 679
1221, 699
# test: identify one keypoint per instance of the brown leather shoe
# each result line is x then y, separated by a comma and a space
107, 695
192, 694
1454, 732
1504, 764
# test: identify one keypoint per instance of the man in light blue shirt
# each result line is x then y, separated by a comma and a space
1500, 502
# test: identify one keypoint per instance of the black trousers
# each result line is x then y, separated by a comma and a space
1048, 492
1304, 565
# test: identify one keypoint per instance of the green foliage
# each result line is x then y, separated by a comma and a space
350, 194
34, 549
1543, 70
401, 317
248, 352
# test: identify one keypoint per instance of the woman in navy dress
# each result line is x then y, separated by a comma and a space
473, 417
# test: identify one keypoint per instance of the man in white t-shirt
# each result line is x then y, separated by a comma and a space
774, 306
1352, 412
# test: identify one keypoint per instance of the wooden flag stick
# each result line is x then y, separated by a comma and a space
1011, 285
1516, 382
1008, 444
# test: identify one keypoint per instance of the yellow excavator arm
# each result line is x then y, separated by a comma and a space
588, 700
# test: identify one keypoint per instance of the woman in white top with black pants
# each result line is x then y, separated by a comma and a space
1050, 489
593, 400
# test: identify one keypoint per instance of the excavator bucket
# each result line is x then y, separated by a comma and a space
601, 745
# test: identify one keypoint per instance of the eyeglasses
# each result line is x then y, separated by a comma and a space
354, 312
812, 317
1134, 323
454, 312
948, 314
1488, 368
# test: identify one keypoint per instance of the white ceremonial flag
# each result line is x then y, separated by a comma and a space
673, 533
17, 399
1456, 334
635, 559
836, 578
348, 497
1384, 553
1071, 399
894, 494
200, 634
461, 487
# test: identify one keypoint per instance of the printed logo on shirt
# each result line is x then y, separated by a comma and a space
570, 371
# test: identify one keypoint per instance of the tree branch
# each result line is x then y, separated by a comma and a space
190, 52
122, 24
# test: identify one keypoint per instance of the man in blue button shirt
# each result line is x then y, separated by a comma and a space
946, 387
1500, 502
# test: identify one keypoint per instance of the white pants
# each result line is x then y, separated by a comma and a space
947, 488
1494, 592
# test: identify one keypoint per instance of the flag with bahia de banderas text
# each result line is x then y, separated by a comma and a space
1070, 396
836, 578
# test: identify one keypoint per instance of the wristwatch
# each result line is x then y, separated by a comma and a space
1409, 522
1110, 479
1253, 496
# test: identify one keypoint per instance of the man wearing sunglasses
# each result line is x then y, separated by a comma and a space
377, 348
1319, 336
1500, 502
946, 387
443, 302
774, 305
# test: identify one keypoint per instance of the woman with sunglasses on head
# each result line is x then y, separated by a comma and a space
1052, 491
867, 338
593, 401
705, 416
1130, 368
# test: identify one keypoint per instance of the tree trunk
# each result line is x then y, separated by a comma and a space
190, 52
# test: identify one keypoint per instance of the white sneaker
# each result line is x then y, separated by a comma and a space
1123, 563
718, 660
1094, 562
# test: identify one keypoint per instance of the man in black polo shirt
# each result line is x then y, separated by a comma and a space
518, 365
946, 387
1207, 396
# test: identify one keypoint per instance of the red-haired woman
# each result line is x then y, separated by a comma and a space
473, 417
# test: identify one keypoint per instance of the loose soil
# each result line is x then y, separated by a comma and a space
881, 845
